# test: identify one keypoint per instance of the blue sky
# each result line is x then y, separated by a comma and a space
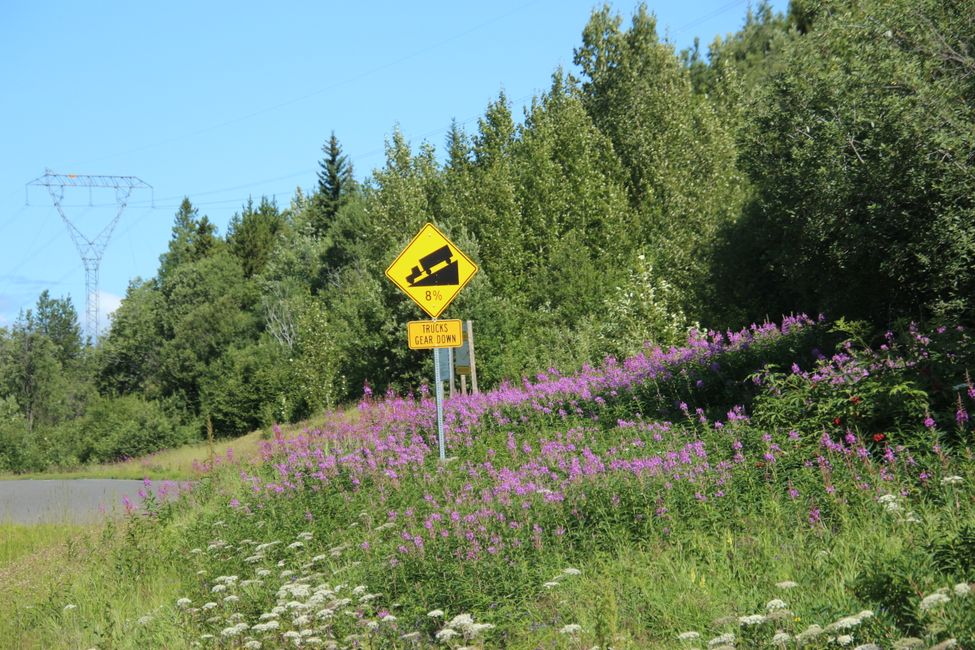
219, 101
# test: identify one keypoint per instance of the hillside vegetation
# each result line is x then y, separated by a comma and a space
748, 489
814, 162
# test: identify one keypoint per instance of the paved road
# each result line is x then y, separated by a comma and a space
74, 501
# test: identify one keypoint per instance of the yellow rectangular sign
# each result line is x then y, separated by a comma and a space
429, 334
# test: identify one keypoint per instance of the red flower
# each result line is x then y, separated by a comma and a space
837, 421
879, 437
856, 400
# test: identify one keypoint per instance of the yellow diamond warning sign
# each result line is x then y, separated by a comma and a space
429, 334
431, 270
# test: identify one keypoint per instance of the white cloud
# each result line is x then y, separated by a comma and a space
107, 304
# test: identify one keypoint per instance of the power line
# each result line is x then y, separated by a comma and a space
320, 91
13, 217
717, 12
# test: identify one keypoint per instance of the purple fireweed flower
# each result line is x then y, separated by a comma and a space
814, 516
961, 415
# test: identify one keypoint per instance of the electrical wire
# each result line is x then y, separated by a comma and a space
320, 91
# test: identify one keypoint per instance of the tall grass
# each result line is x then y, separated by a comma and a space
746, 490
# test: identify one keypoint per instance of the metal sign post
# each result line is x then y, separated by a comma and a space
439, 381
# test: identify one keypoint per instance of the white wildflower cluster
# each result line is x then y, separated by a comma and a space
690, 635
781, 638
889, 502
809, 634
571, 629
722, 640
892, 504
952, 480
935, 600
752, 619
307, 609
775, 604
234, 630
556, 581
462, 624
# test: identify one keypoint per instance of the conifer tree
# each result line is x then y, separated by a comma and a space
335, 183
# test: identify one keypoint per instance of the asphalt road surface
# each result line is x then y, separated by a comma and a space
71, 501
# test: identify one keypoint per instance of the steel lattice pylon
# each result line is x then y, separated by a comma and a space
90, 249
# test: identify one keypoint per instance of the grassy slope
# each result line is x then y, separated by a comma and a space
173, 464
699, 565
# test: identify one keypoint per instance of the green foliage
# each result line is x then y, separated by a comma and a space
336, 184
247, 388
57, 319
209, 309
253, 235
890, 584
114, 428
317, 359
859, 149
643, 308
679, 156
193, 239
129, 356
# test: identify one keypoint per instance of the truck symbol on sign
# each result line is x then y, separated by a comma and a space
424, 275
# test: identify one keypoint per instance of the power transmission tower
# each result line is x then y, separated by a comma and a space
90, 249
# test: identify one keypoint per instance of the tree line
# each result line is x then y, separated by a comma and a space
821, 160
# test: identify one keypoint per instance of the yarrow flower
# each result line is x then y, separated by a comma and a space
775, 603
786, 584
461, 621
952, 480
845, 623
435, 613
571, 628
810, 632
934, 600
446, 634
688, 636
233, 630
962, 589
752, 619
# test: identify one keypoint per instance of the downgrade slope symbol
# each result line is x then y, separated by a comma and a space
445, 276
